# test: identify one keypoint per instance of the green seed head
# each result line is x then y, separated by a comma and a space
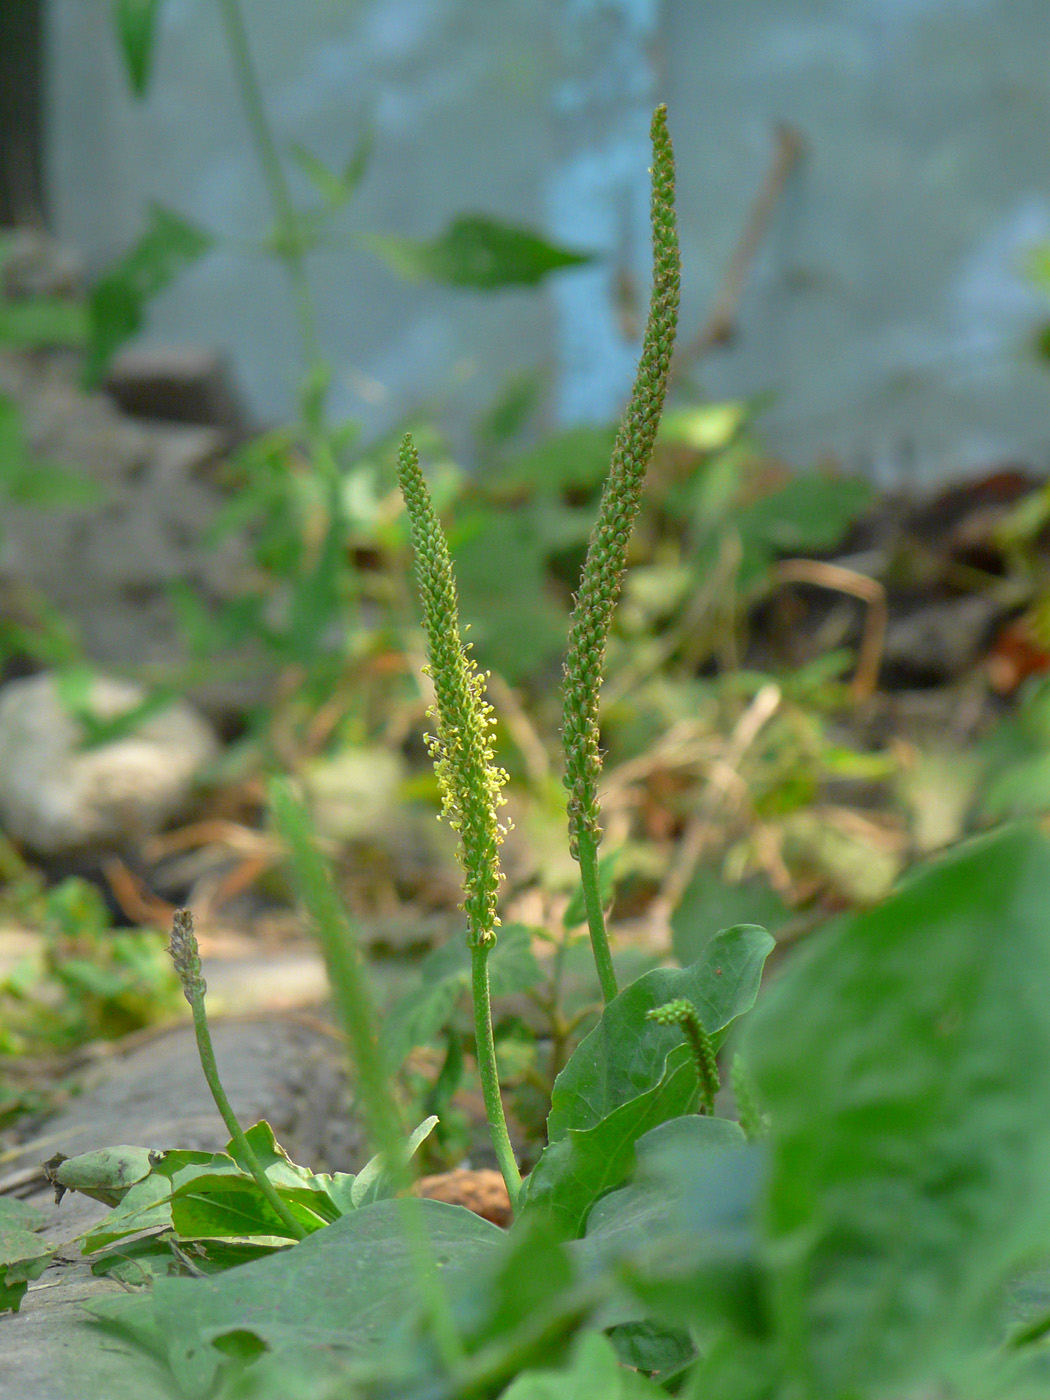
185, 954
471, 784
607, 552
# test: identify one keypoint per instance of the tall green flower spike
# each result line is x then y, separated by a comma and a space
607, 551
471, 783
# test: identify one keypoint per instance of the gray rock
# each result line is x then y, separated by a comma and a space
59, 797
177, 384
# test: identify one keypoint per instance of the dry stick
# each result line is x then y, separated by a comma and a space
868, 590
720, 326
521, 729
722, 778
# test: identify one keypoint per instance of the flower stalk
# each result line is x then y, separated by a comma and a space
185, 954
471, 783
606, 558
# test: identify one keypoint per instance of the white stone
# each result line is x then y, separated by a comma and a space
57, 796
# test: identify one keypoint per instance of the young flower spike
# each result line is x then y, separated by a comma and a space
607, 552
682, 1013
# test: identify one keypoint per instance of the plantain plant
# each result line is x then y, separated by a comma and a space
876, 1223
471, 784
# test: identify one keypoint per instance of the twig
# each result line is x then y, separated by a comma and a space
521, 729
868, 590
721, 323
722, 778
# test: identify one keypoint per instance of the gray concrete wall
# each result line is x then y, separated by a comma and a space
887, 313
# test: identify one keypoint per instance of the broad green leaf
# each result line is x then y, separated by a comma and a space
23, 1254
565, 461
116, 307
336, 1292
1017, 782
584, 1163
651, 1346
811, 512
374, 1182
136, 22
594, 1371
146, 1206
271, 1156
231, 1206
530, 1274
904, 1060
338, 1187
670, 1159
738, 1368
20, 1215
1021, 789
476, 252
681, 1234
631, 1074
626, 1055
139, 1261
710, 903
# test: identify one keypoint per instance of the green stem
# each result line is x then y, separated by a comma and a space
290, 239
592, 901
487, 1067
206, 1052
